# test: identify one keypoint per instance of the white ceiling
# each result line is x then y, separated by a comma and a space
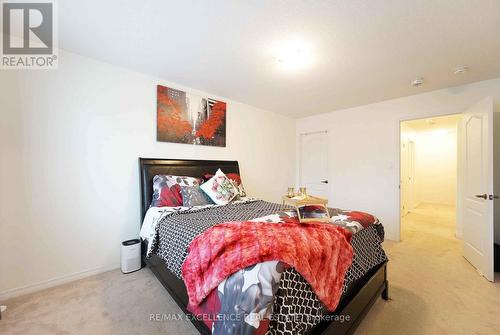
365, 51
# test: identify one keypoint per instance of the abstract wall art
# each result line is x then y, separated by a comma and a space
190, 118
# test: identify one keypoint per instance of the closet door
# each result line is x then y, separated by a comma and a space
314, 163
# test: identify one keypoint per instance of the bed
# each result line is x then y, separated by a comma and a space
363, 288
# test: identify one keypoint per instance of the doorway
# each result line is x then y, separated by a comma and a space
429, 161
448, 197
313, 164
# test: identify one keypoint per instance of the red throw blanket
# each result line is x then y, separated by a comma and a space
320, 252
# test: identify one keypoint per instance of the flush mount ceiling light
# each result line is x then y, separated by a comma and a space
417, 82
294, 55
460, 70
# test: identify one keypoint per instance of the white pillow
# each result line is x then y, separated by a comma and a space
220, 188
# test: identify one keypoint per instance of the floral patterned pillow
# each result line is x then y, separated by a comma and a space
220, 188
235, 178
167, 190
194, 196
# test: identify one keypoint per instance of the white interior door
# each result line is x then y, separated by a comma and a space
477, 195
314, 163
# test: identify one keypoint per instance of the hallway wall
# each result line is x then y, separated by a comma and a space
436, 165
435, 162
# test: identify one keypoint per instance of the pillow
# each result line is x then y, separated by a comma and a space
220, 188
167, 190
235, 178
194, 196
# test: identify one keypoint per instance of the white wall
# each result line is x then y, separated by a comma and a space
436, 165
70, 140
364, 146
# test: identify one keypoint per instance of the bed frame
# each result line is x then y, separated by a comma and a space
355, 303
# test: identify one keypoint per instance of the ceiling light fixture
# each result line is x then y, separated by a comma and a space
294, 55
417, 82
460, 70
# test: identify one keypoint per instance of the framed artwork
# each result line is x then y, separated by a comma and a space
189, 118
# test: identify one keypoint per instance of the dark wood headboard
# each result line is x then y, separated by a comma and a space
150, 167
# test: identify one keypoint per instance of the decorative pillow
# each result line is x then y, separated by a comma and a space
167, 190
194, 196
220, 188
235, 178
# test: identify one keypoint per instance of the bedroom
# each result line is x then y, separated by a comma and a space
72, 134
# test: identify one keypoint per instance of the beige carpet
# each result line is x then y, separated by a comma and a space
110, 303
433, 290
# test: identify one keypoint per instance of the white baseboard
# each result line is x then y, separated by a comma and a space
18, 291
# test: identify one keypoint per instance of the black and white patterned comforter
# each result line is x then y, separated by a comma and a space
297, 308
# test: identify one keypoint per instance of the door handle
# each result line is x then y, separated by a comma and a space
324, 181
483, 196
492, 196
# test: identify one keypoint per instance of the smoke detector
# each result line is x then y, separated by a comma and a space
460, 70
417, 82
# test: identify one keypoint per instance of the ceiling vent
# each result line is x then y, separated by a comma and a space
460, 70
417, 82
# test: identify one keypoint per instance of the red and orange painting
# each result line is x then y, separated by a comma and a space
189, 118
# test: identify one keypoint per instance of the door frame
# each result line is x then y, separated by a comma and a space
398, 160
409, 162
299, 160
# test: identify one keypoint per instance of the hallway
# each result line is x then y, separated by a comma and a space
431, 221
434, 290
